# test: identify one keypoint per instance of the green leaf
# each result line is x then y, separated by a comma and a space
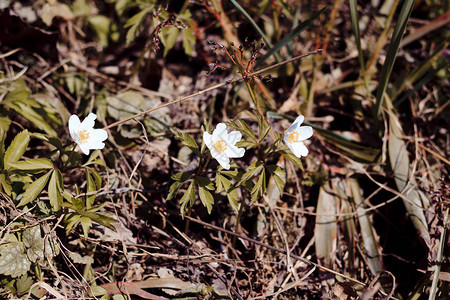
392, 54
187, 140
86, 224
101, 26
34, 189
55, 189
188, 41
78, 259
233, 198
23, 284
168, 37
35, 243
134, 23
17, 148
222, 183
5, 184
32, 164
253, 169
293, 159
188, 197
205, 182
206, 197
259, 188
278, 175
13, 260
290, 36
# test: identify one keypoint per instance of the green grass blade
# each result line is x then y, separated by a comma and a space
253, 23
290, 36
392, 53
355, 26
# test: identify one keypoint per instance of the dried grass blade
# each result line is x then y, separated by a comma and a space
370, 241
325, 230
398, 156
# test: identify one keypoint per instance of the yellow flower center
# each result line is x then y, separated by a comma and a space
293, 137
220, 146
84, 136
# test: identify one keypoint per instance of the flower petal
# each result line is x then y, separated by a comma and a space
304, 132
299, 149
220, 132
298, 121
99, 135
224, 161
74, 124
207, 138
89, 122
84, 148
234, 137
234, 151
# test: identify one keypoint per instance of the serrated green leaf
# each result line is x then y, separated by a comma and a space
134, 23
254, 169
206, 197
278, 175
34, 189
222, 183
188, 41
5, 184
13, 260
17, 148
101, 219
233, 198
55, 188
86, 224
32, 164
205, 182
293, 159
188, 197
168, 38
259, 188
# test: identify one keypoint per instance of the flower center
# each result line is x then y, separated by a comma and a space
220, 146
84, 136
293, 137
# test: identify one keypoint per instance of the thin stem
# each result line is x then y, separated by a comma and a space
70, 156
210, 89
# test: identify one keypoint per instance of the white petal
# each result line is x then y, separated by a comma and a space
220, 133
298, 121
234, 151
207, 138
99, 135
299, 149
74, 123
234, 137
304, 132
224, 161
286, 138
84, 148
89, 122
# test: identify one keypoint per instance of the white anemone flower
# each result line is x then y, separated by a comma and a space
84, 134
221, 144
295, 136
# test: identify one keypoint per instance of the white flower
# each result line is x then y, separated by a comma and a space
221, 144
295, 136
85, 135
